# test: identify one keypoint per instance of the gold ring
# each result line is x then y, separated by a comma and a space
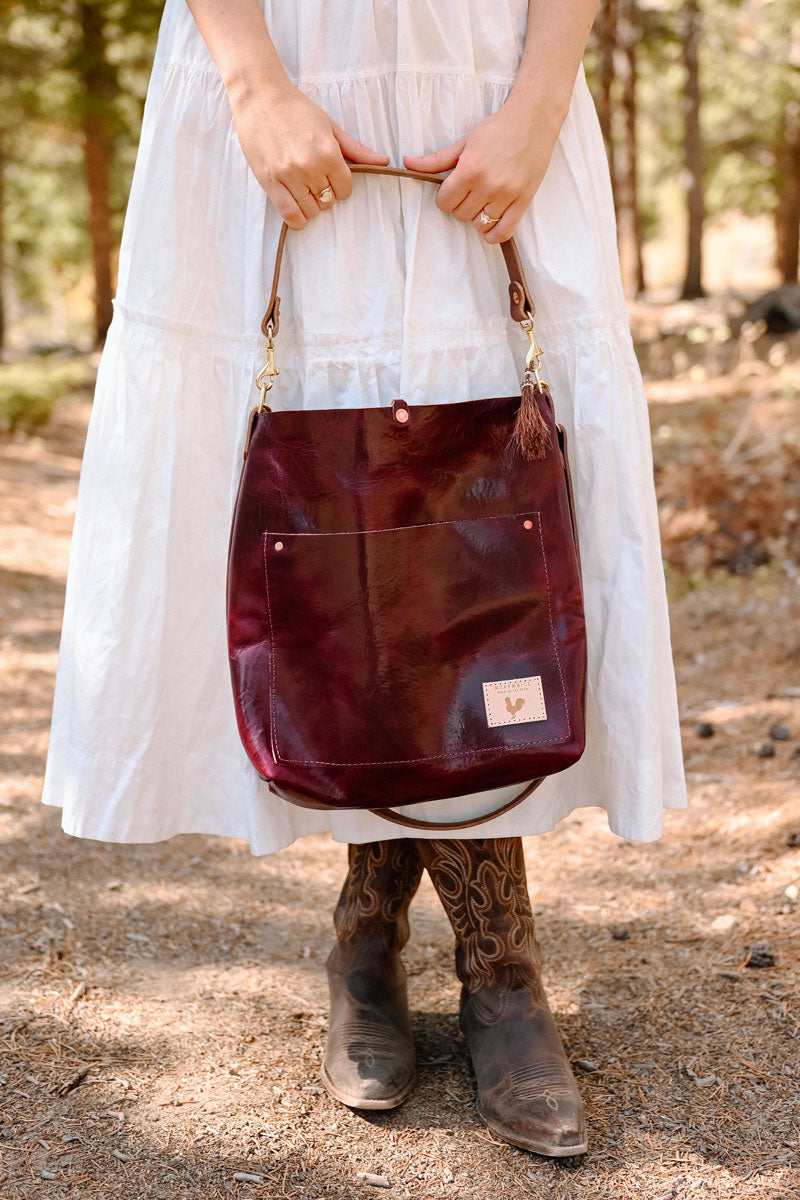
485, 219
325, 196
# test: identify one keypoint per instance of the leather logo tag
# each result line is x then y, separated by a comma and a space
514, 701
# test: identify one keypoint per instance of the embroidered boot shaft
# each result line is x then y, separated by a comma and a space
369, 1056
527, 1093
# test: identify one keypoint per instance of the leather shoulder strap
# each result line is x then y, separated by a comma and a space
522, 306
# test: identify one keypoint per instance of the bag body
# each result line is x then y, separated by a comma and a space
391, 586
405, 617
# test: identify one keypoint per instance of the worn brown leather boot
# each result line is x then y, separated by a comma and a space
527, 1093
369, 1056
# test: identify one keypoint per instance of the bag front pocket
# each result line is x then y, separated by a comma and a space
413, 644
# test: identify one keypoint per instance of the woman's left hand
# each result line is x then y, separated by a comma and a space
496, 167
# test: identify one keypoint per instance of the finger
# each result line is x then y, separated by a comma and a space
453, 191
508, 222
356, 151
436, 160
468, 209
317, 190
340, 178
305, 199
287, 206
492, 208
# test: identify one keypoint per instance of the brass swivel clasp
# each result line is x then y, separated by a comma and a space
266, 376
533, 359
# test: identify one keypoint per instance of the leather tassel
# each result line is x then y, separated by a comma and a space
530, 431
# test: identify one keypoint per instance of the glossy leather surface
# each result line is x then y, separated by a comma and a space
379, 573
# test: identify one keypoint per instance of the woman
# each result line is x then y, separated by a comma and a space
390, 289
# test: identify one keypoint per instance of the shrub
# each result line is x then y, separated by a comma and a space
31, 389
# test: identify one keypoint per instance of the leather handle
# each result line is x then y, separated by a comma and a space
397, 818
522, 306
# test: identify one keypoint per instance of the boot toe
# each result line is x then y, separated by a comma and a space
544, 1117
369, 1066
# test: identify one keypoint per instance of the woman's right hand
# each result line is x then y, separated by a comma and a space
295, 151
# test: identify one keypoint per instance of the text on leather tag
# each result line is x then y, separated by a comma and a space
513, 701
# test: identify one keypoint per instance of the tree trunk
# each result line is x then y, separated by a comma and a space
98, 83
787, 211
694, 157
629, 222
607, 41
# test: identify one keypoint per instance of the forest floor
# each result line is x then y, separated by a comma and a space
163, 1007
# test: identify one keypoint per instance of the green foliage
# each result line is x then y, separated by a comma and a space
752, 73
749, 71
30, 390
46, 239
42, 101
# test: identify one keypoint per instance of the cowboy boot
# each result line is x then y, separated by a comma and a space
369, 1056
527, 1094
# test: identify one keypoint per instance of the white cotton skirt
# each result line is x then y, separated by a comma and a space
383, 296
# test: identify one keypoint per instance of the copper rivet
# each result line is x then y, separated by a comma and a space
528, 524
279, 545
402, 415
516, 297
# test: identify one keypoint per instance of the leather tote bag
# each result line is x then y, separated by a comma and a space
404, 605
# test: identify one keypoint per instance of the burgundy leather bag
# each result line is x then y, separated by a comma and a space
405, 616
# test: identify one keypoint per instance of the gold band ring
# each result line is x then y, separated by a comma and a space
485, 219
325, 196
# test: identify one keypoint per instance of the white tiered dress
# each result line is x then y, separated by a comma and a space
382, 296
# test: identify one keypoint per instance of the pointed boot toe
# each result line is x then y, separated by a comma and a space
543, 1114
369, 1064
369, 1054
527, 1094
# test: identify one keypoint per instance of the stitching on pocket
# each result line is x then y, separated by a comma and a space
273, 724
391, 762
398, 528
552, 628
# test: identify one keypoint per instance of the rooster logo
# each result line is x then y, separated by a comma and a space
514, 706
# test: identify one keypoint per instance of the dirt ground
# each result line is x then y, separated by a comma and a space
163, 1007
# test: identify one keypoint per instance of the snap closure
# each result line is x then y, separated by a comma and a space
400, 412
